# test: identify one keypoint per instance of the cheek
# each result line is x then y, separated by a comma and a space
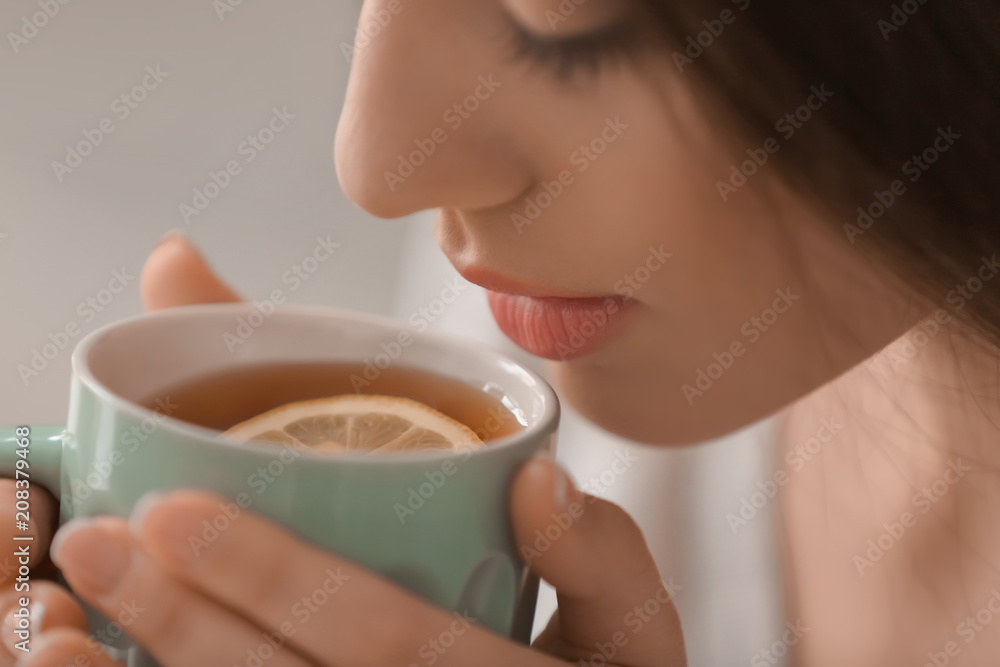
673, 378
654, 184
684, 377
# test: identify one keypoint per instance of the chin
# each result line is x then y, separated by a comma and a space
637, 405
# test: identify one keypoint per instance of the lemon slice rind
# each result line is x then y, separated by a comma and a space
360, 424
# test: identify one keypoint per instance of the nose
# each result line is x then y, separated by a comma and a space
429, 119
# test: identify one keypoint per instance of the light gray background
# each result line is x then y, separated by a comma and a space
62, 241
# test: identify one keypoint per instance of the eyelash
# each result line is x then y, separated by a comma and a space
566, 56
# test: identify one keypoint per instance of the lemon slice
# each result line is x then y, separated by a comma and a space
357, 424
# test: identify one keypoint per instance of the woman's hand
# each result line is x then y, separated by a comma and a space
252, 593
51, 605
174, 275
257, 595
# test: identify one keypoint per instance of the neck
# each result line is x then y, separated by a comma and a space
892, 528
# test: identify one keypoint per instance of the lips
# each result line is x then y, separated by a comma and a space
550, 322
558, 328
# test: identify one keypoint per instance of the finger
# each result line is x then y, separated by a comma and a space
177, 275
331, 610
39, 518
180, 627
611, 596
49, 606
66, 647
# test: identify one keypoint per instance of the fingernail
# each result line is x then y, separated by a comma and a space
88, 552
53, 652
562, 485
141, 509
172, 234
31, 626
565, 491
36, 613
181, 527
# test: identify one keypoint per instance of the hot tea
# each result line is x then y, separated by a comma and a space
224, 399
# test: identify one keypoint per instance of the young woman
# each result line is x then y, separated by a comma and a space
702, 212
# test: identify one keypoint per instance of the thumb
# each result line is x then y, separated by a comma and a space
177, 275
613, 604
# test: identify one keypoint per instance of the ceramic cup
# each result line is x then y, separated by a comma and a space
455, 549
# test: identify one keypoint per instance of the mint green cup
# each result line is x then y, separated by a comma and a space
454, 548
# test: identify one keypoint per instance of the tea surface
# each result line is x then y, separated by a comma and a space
222, 400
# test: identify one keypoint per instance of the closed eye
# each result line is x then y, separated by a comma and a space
568, 55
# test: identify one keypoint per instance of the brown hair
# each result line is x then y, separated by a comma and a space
903, 77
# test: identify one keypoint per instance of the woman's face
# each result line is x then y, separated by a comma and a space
587, 201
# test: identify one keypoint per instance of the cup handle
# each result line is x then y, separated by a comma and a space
44, 446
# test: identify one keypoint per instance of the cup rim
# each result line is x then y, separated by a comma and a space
546, 423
